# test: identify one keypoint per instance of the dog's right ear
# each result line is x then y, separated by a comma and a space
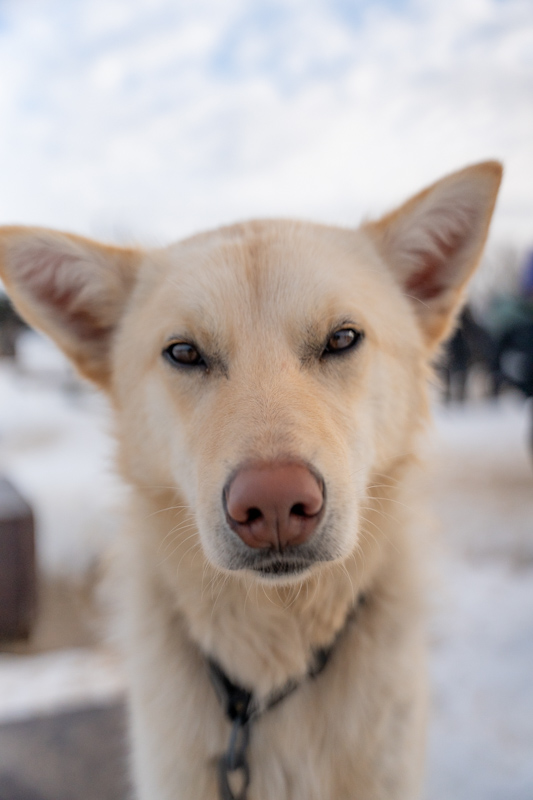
71, 288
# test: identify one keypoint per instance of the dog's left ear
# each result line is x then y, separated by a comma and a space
434, 242
73, 289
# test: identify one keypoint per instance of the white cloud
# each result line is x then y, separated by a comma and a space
160, 118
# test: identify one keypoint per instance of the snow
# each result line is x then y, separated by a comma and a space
49, 682
55, 444
481, 740
481, 735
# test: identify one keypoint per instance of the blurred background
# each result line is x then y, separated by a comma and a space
142, 121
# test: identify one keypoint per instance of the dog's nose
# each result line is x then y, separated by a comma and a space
274, 505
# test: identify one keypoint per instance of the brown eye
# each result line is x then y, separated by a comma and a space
342, 340
184, 354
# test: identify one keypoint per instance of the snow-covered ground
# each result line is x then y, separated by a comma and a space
54, 444
56, 448
481, 742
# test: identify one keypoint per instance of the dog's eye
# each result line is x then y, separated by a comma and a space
184, 354
342, 340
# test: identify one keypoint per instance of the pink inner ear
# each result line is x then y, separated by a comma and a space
55, 281
82, 321
423, 285
439, 264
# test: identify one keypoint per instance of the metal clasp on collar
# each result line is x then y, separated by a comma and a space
233, 765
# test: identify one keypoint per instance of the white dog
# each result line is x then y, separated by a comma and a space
269, 383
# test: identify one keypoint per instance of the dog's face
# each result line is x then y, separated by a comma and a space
260, 347
270, 371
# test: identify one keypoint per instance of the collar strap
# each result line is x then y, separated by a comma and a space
241, 707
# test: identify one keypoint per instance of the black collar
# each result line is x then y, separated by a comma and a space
241, 707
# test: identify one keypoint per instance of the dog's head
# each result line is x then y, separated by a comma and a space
268, 371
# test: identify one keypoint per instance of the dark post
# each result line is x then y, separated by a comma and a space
17, 564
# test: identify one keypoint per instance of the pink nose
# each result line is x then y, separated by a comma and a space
274, 505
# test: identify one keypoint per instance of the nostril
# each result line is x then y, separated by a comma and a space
252, 514
298, 510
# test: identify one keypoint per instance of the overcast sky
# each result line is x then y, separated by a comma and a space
150, 119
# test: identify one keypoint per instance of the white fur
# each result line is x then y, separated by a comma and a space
258, 299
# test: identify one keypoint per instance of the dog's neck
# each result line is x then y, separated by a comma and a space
262, 635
